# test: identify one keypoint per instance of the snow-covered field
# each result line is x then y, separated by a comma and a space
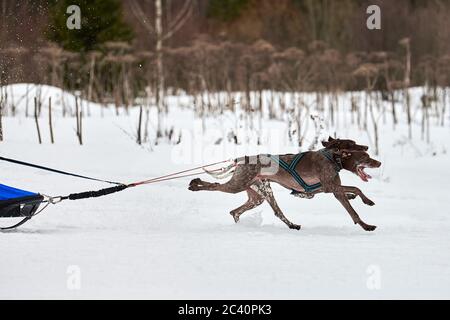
163, 241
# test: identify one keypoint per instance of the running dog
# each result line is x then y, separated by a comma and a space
306, 174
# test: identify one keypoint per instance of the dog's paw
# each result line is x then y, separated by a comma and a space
368, 227
194, 185
235, 216
195, 181
193, 188
295, 226
369, 202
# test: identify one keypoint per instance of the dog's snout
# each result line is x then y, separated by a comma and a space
376, 163
359, 147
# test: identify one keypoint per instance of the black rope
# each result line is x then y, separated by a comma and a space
95, 194
56, 171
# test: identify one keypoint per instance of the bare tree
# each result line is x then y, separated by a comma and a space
161, 35
79, 118
370, 72
50, 120
139, 129
444, 81
36, 119
406, 42
1, 114
93, 57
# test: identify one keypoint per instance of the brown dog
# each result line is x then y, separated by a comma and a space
305, 174
343, 145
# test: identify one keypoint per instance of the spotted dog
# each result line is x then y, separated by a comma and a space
316, 172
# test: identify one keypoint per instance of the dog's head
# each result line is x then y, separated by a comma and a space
343, 145
357, 161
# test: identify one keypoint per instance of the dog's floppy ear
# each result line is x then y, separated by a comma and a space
329, 143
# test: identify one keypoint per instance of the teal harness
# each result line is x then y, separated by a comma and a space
291, 168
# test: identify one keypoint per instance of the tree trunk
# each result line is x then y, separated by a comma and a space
139, 131
444, 105
366, 107
79, 117
159, 66
36, 120
50, 122
407, 82
91, 83
26, 102
394, 114
375, 127
1, 115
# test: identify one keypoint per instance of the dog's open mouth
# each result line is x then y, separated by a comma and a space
362, 174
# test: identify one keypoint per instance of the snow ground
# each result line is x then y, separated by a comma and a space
165, 242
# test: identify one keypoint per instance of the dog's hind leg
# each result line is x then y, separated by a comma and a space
228, 187
263, 189
241, 180
198, 185
254, 200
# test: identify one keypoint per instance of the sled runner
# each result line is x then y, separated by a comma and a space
16, 203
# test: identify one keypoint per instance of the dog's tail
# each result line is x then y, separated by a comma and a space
222, 173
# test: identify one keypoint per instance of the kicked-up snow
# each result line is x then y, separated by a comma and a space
163, 241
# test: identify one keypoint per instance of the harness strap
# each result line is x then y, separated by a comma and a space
291, 168
336, 161
32, 165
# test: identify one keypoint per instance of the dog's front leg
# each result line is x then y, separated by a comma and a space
332, 184
358, 192
351, 196
340, 195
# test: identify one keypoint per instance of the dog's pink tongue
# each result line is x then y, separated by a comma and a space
368, 176
364, 176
